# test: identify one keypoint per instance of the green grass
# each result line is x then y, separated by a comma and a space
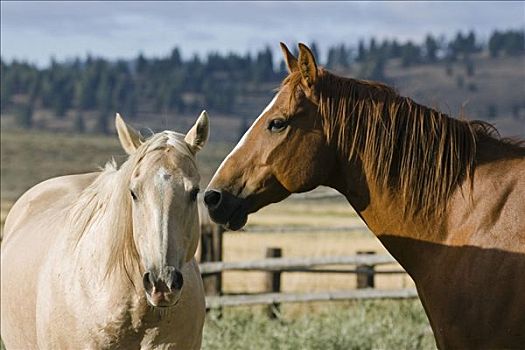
385, 324
359, 325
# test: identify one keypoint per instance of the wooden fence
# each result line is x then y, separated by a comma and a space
275, 298
363, 266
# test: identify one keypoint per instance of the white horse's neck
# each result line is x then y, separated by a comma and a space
101, 228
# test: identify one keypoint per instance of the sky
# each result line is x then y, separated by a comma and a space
37, 31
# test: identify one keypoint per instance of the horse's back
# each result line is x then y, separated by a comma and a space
30, 230
499, 205
478, 301
42, 197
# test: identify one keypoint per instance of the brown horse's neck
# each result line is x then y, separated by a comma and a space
402, 165
411, 237
382, 211
383, 208
399, 162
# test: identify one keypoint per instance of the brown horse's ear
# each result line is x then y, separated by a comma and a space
307, 65
197, 137
129, 138
289, 59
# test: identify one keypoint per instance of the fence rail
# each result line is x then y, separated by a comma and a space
283, 264
330, 194
363, 266
277, 298
302, 229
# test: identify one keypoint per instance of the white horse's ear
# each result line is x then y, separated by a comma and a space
129, 137
197, 137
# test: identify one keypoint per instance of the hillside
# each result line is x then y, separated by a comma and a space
29, 157
494, 92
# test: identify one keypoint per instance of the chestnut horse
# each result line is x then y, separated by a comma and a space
106, 260
446, 197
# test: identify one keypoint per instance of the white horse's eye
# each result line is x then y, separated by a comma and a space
193, 194
133, 195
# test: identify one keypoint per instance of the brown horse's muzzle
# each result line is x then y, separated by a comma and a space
226, 209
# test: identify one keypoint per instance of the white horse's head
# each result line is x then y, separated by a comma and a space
163, 188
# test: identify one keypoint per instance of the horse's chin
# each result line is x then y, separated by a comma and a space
232, 213
237, 220
163, 305
165, 302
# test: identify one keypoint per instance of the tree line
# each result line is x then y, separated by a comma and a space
173, 84
373, 55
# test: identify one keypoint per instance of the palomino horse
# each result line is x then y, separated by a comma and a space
446, 197
105, 260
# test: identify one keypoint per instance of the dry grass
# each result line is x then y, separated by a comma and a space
246, 246
292, 212
29, 157
5, 206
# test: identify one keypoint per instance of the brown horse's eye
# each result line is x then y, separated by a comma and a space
193, 194
277, 125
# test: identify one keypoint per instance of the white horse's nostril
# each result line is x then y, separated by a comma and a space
149, 281
177, 281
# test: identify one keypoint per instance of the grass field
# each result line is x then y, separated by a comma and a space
30, 157
325, 214
351, 325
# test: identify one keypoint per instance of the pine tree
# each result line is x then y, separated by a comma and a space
315, 51
410, 54
101, 125
431, 48
79, 125
24, 116
361, 51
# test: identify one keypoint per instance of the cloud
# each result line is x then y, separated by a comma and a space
36, 30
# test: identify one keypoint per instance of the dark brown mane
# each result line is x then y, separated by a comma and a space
422, 152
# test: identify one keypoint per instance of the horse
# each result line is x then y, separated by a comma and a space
445, 196
106, 259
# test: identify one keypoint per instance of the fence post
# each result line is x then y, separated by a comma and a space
206, 254
217, 235
365, 273
273, 282
211, 250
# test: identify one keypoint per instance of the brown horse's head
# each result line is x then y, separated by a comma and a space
283, 152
